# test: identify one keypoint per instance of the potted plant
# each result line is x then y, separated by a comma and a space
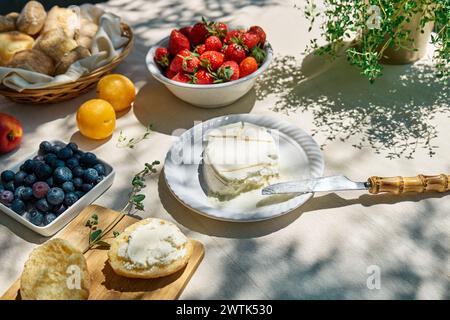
382, 31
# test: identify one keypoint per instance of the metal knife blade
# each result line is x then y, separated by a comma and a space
323, 184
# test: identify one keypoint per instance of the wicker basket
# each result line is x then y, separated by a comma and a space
70, 90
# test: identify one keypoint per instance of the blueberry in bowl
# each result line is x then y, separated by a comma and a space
47, 190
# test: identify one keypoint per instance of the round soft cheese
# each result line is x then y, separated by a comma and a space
238, 158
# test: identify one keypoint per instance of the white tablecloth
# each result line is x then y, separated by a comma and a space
325, 249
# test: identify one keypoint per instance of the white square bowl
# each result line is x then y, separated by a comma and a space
70, 212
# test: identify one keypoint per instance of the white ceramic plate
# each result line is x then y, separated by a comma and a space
300, 157
72, 211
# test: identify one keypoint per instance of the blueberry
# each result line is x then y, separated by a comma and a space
2, 188
19, 178
99, 179
7, 176
50, 158
88, 159
90, 175
26, 194
100, 168
50, 182
55, 196
86, 187
6, 197
28, 166
58, 164
9, 186
18, 192
18, 206
77, 183
48, 218
72, 146
70, 199
62, 175
39, 158
36, 217
78, 171
43, 205
79, 194
60, 209
68, 186
43, 171
45, 147
65, 153
40, 189
30, 180
56, 148
72, 163
77, 156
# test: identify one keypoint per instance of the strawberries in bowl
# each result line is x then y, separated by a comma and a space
210, 55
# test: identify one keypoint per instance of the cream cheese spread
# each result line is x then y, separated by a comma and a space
154, 244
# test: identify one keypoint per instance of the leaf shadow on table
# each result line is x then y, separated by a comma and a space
411, 255
169, 115
394, 116
171, 14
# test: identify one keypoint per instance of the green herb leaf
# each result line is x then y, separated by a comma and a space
96, 235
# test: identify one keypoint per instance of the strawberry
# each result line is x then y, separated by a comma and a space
162, 57
213, 43
202, 77
186, 31
181, 77
247, 66
233, 34
211, 60
218, 29
199, 32
200, 49
235, 52
177, 62
170, 73
177, 42
190, 64
228, 71
250, 40
260, 32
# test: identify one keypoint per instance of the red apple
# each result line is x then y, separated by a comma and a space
10, 133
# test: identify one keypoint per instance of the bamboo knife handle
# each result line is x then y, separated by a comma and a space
399, 185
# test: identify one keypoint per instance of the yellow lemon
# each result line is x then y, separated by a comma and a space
118, 90
96, 119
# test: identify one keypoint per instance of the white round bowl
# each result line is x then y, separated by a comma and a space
206, 95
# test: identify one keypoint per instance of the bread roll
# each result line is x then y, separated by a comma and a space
7, 23
88, 30
55, 271
12, 42
150, 248
33, 60
56, 44
74, 55
31, 18
65, 19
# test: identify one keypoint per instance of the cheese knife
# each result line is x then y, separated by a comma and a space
374, 185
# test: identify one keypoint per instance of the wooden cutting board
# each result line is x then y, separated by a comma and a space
105, 284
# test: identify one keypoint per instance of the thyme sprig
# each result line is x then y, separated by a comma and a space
135, 201
124, 142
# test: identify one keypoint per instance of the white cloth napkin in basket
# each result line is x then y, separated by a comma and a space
107, 44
